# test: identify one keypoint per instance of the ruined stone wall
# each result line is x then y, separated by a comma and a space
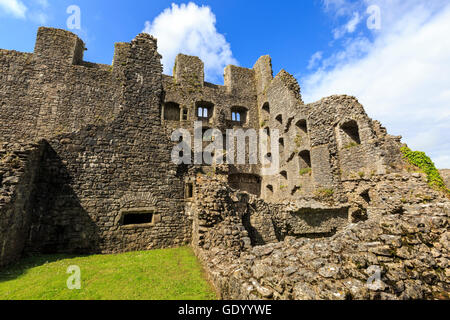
341, 205
94, 176
19, 166
281, 110
104, 156
322, 143
53, 91
18, 115
399, 252
188, 91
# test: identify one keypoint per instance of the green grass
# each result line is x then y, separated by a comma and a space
169, 274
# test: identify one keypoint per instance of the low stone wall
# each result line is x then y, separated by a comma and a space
404, 256
399, 251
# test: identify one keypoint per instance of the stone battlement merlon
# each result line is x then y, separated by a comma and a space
58, 45
66, 48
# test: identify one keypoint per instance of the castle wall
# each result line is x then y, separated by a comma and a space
52, 91
281, 109
187, 90
93, 177
19, 166
18, 115
106, 157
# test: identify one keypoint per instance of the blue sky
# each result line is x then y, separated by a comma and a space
393, 55
253, 28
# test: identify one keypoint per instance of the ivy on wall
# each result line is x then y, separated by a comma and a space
424, 163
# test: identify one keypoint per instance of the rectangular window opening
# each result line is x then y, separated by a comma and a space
134, 218
189, 191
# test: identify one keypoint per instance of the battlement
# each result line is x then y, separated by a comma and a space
62, 47
58, 46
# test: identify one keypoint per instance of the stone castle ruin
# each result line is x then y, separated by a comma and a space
85, 167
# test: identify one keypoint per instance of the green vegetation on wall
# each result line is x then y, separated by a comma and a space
424, 163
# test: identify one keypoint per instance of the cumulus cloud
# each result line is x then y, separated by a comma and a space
14, 7
191, 29
401, 74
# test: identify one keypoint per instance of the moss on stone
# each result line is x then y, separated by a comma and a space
305, 171
324, 194
351, 145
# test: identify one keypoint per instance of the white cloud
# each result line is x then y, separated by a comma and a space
402, 76
315, 58
17, 9
14, 7
350, 27
191, 30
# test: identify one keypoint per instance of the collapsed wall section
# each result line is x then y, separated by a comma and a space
399, 253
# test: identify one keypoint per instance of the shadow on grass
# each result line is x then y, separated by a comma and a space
20, 268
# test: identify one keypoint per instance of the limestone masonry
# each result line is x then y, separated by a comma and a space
85, 167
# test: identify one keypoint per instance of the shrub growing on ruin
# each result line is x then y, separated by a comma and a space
425, 164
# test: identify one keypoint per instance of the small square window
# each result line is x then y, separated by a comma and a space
239, 115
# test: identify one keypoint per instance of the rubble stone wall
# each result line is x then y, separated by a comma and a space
19, 166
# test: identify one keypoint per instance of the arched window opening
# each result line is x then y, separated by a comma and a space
351, 133
302, 125
304, 161
279, 118
266, 108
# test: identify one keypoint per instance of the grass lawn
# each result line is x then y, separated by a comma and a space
169, 274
